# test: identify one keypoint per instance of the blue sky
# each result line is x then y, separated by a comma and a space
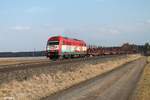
25, 25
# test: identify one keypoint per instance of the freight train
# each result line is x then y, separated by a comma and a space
59, 47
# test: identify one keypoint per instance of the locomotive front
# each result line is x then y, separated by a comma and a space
53, 47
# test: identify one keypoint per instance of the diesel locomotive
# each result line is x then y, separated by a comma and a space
62, 47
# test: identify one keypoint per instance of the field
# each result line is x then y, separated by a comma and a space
143, 90
19, 60
46, 81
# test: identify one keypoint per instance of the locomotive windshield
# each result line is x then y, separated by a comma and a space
53, 43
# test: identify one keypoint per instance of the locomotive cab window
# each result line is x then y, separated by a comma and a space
53, 43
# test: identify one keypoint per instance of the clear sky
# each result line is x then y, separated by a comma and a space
26, 24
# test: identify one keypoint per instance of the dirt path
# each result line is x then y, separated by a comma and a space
115, 85
142, 91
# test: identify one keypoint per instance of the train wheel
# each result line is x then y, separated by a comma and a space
60, 57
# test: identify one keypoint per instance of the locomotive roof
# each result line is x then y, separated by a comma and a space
66, 38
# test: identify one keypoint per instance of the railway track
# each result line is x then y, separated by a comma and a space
23, 66
117, 84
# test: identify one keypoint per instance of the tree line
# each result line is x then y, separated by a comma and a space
146, 49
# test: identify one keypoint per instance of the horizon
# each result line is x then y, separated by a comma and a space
87, 46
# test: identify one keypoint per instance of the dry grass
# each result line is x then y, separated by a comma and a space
148, 59
12, 62
20, 60
143, 89
45, 84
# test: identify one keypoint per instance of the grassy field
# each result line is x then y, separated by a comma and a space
143, 89
20, 60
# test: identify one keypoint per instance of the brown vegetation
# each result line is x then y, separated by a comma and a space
20, 60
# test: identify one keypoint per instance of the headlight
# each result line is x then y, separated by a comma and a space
48, 48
